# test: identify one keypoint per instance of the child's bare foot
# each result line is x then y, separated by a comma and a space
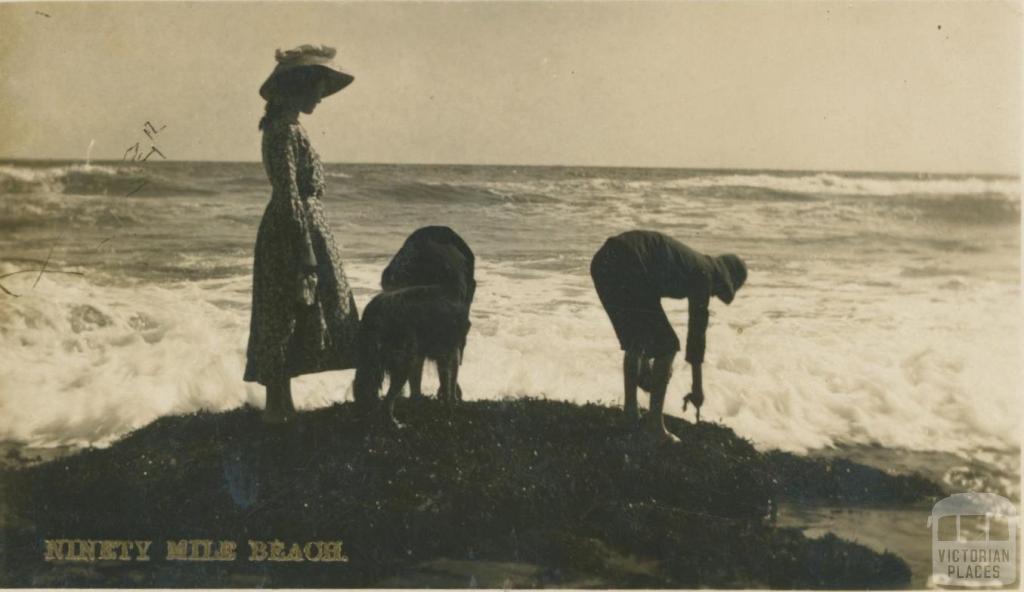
660, 435
664, 437
391, 424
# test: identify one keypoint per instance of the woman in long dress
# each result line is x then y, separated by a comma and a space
304, 318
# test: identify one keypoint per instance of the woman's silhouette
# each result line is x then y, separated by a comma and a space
304, 318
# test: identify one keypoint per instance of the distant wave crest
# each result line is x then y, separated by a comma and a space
833, 184
85, 179
481, 193
753, 186
970, 200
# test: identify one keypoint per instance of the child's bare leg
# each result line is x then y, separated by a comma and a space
458, 389
630, 370
655, 421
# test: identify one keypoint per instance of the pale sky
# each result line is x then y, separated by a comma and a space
813, 85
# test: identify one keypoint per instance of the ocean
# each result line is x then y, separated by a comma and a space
882, 311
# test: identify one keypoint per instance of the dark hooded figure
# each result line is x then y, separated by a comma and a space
432, 255
632, 272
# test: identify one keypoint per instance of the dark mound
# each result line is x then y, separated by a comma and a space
524, 493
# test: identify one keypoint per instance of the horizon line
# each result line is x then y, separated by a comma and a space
1015, 174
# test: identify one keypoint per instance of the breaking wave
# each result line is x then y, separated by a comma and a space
85, 179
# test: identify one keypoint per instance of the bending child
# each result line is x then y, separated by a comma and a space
632, 272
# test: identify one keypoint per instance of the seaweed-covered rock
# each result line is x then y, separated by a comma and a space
573, 490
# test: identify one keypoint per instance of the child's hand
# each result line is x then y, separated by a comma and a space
697, 398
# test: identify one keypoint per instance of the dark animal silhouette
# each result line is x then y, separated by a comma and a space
399, 329
432, 255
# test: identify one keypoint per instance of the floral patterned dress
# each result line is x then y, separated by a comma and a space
286, 336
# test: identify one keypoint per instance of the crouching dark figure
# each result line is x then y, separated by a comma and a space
432, 255
632, 272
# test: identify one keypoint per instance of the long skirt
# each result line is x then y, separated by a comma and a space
287, 337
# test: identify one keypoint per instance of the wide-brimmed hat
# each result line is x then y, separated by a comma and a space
301, 66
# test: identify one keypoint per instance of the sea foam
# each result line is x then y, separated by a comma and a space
887, 317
